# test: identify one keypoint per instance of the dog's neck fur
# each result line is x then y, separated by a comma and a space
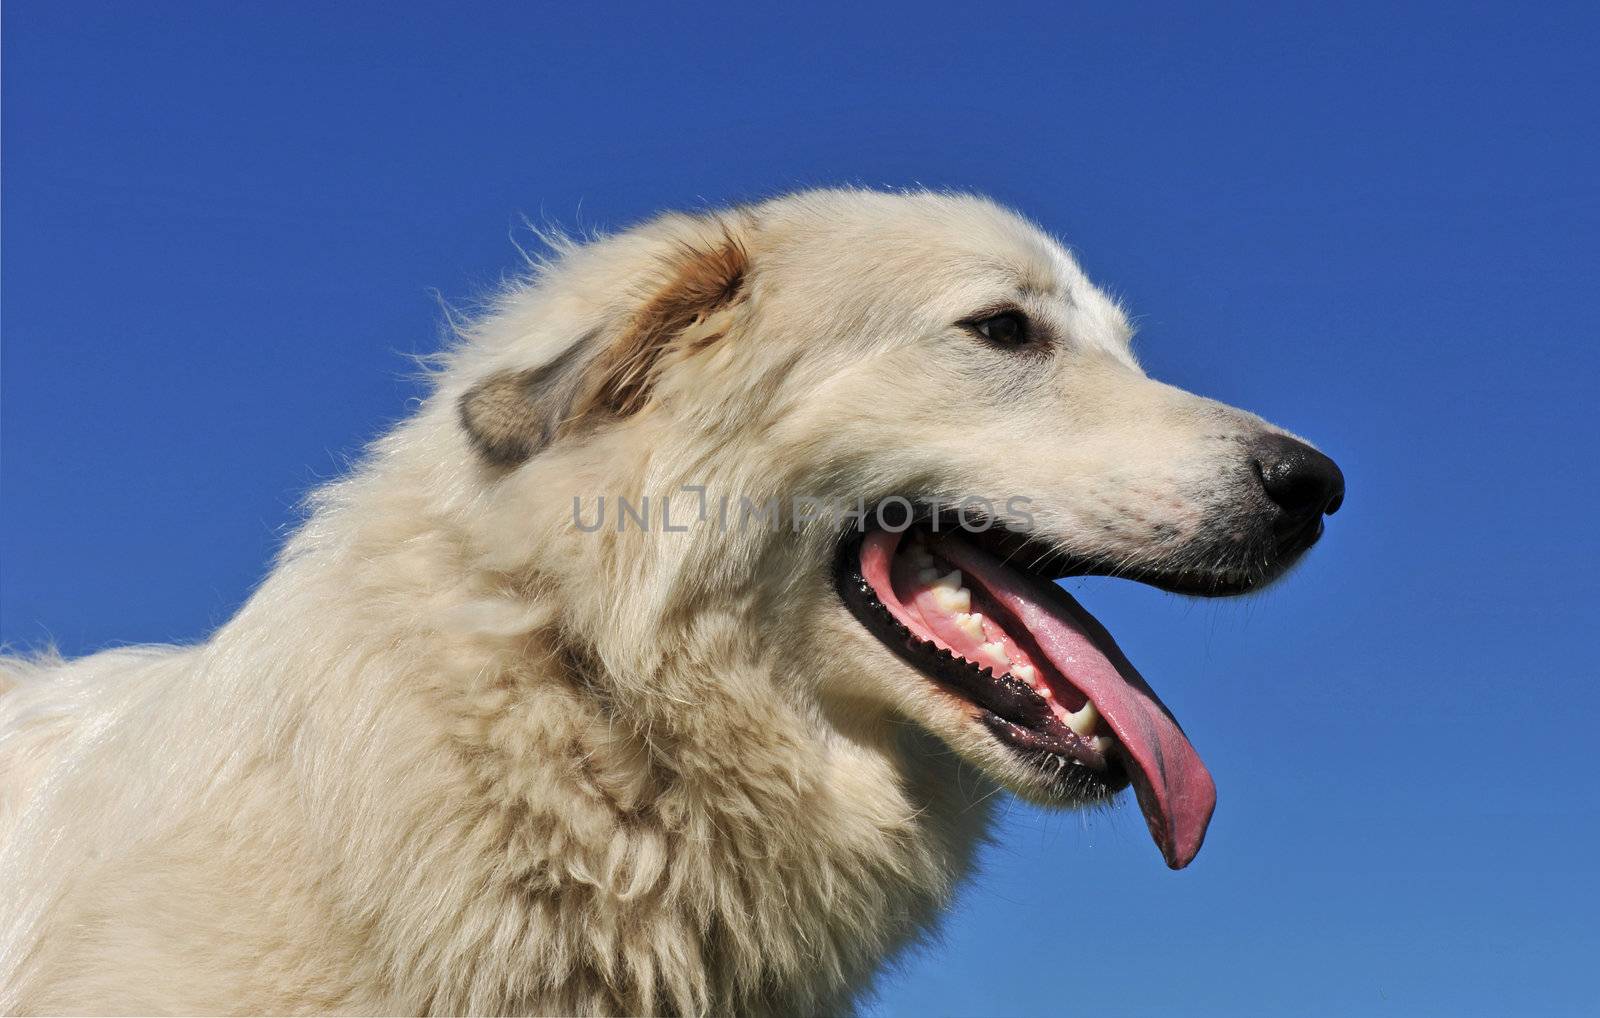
677, 833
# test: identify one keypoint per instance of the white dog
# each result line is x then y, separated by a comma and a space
614, 681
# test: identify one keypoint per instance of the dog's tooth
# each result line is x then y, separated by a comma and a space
1028, 674
953, 600
952, 579
1102, 744
996, 651
972, 624
1083, 720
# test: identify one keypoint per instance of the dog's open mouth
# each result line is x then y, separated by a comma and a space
1033, 667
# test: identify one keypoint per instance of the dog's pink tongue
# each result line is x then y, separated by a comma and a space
1174, 788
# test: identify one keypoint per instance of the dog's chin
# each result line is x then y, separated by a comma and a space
1019, 679
1053, 777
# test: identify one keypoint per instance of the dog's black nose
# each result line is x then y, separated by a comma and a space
1304, 483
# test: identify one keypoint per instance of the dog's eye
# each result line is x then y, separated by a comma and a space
1009, 328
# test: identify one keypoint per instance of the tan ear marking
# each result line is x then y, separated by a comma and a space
500, 418
704, 281
512, 415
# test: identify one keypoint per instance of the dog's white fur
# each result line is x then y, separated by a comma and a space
456, 755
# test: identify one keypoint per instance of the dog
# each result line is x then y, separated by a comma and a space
667, 659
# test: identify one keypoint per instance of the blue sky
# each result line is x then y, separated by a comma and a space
225, 224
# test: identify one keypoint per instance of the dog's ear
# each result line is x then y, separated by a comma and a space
511, 415
610, 373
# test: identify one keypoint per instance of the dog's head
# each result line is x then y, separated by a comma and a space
874, 428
